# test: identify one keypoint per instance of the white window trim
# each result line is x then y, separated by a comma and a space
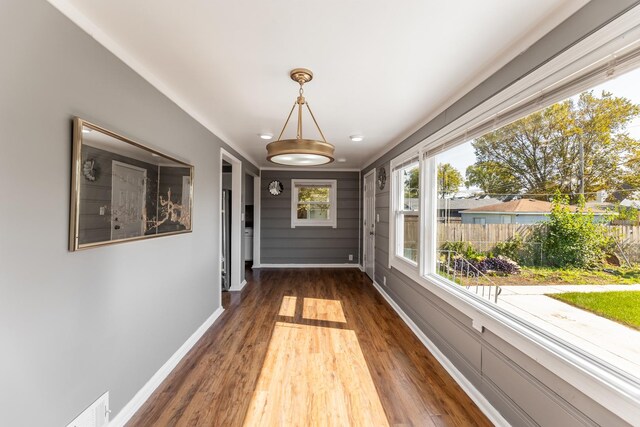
619, 392
333, 203
399, 262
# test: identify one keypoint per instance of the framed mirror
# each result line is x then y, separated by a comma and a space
123, 191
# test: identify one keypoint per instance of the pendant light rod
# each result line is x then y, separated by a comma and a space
316, 122
300, 151
300, 102
286, 122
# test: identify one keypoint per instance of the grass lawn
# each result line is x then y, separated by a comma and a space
570, 276
621, 306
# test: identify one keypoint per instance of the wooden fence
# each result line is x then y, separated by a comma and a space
485, 237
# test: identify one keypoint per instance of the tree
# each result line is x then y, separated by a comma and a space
491, 177
412, 183
449, 179
573, 238
541, 152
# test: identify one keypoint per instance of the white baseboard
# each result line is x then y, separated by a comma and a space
361, 268
145, 392
239, 288
487, 408
309, 266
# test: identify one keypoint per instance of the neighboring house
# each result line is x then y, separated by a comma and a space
523, 211
631, 203
449, 210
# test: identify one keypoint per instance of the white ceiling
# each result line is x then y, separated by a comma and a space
382, 68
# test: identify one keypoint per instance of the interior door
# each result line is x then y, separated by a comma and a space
369, 224
128, 193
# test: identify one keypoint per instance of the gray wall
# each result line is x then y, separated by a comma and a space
282, 244
74, 325
520, 388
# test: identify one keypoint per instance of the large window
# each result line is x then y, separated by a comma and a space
532, 218
407, 208
313, 203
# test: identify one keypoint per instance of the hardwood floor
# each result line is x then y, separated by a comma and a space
304, 347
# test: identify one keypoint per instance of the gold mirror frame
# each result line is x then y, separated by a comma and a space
81, 171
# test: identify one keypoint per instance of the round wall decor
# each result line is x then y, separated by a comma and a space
382, 178
90, 170
275, 188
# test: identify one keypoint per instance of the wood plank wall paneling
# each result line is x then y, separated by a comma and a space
282, 244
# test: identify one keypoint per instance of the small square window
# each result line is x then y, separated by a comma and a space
313, 203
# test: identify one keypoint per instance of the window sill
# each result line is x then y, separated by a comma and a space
314, 224
406, 267
617, 391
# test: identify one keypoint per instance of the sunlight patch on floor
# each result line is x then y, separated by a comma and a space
288, 307
314, 376
323, 309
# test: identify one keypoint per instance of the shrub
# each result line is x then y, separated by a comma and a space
573, 239
489, 265
499, 264
464, 249
511, 248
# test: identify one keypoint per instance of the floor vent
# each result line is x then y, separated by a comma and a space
96, 415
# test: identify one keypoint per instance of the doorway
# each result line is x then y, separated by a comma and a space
230, 237
248, 231
225, 218
369, 223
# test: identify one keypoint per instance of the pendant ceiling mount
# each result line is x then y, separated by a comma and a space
300, 151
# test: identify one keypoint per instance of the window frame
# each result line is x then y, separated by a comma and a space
332, 184
579, 68
396, 214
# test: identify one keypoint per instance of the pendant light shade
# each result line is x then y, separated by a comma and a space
300, 151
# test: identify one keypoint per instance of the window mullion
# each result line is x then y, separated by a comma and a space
429, 207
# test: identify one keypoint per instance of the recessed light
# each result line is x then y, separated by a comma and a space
265, 136
86, 130
356, 138
341, 160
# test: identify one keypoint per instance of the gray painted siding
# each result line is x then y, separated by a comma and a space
74, 325
282, 244
525, 393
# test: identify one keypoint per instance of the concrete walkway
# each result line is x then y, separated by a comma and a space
612, 342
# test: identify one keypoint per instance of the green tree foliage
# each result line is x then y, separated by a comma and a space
571, 238
449, 179
628, 213
313, 202
492, 177
540, 153
412, 183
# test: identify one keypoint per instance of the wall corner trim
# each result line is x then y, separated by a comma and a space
239, 288
161, 374
487, 408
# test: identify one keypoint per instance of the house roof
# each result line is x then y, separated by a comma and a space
467, 203
529, 206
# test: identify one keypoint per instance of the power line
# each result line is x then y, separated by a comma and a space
629, 190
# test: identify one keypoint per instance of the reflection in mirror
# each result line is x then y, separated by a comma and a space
124, 191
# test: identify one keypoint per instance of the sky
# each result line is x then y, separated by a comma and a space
627, 85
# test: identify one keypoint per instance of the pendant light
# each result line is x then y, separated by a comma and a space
300, 151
